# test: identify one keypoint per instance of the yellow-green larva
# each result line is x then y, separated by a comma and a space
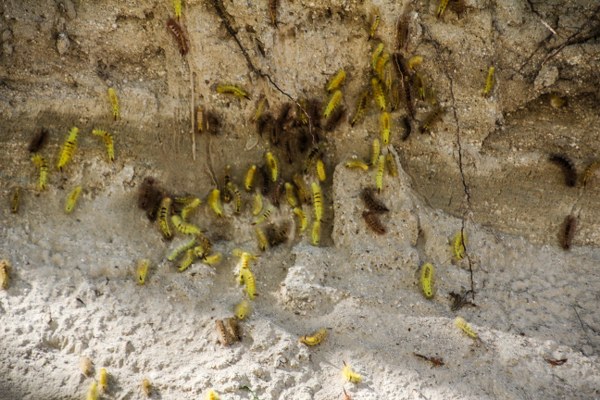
459, 243
336, 80
464, 326
114, 103
333, 103
163, 217
427, 271
68, 148
142, 271
72, 199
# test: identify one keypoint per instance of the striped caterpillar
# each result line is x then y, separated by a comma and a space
464, 326
69, 147
189, 207
373, 204
40, 163
179, 36
114, 103
568, 168
379, 173
373, 222
317, 201
361, 107
336, 81
184, 227
333, 103
570, 225
163, 217
108, 142
314, 339
426, 280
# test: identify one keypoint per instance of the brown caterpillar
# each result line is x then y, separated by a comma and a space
568, 233
38, 141
589, 172
373, 222
373, 204
568, 168
179, 36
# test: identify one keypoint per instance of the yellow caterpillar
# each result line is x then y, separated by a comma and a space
184, 227
334, 102
350, 375
211, 395
302, 220
374, 25
103, 380
237, 197
247, 277
376, 54
245, 258
184, 247
427, 271
317, 200
375, 151
263, 242
384, 120
214, 201
314, 339
290, 195
187, 260
392, 167
163, 217
242, 309
361, 107
380, 170
441, 8
213, 259
189, 207
459, 243
414, 62
379, 67
316, 233
336, 81
201, 251
72, 199
68, 148
114, 103
41, 164
352, 164
108, 142
234, 90
273, 165
146, 387
489, 82
257, 204
264, 216
92, 393
464, 326
142, 271
378, 94
320, 166
249, 179
177, 8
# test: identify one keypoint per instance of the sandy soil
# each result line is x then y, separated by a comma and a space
483, 168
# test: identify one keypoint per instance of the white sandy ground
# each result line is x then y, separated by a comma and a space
73, 294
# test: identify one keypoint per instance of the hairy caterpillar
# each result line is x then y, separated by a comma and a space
426, 280
184, 227
357, 164
263, 243
317, 200
234, 90
431, 118
350, 375
384, 120
249, 179
180, 249
374, 24
489, 82
114, 103
570, 225
142, 271
302, 220
291, 195
320, 167
589, 172
375, 151
103, 380
392, 167
38, 141
214, 201
4, 274
373, 204
92, 393
72, 199
379, 67
379, 173
336, 80
315, 338
378, 94
376, 54
237, 197
273, 165
316, 233
247, 278
146, 387
334, 102
15, 200
264, 216
414, 62
361, 107
303, 191
257, 204
459, 244
211, 395
179, 36
242, 309
568, 168
108, 142
177, 8
68, 148
245, 258
41, 164
464, 326
213, 259
187, 260
85, 365
189, 207
441, 8
164, 212
373, 222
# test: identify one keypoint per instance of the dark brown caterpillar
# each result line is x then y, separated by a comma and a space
373, 222
569, 227
179, 36
149, 197
38, 141
277, 234
371, 202
568, 168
